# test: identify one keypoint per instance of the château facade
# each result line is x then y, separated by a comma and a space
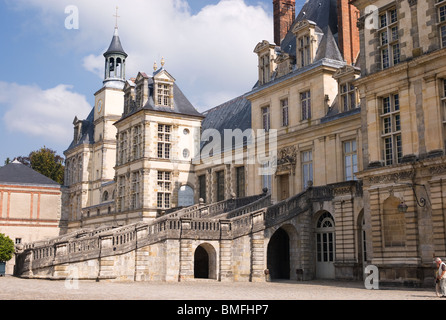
352, 96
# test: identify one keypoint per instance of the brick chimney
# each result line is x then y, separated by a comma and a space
348, 31
284, 15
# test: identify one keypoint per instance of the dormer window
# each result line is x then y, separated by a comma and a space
304, 50
307, 34
267, 55
164, 94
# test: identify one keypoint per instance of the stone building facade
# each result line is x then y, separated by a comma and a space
354, 92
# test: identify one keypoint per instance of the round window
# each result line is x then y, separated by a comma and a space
186, 132
186, 153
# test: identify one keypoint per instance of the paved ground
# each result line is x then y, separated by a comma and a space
12, 288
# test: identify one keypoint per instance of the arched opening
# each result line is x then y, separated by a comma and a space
185, 196
278, 261
325, 246
205, 262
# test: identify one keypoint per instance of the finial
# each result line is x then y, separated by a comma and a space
163, 62
155, 67
116, 16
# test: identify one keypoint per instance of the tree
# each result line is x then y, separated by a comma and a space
48, 163
7, 161
6, 248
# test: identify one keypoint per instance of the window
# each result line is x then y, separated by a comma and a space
220, 186
391, 130
164, 190
240, 180
105, 196
121, 193
137, 142
123, 148
266, 173
441, 9
307, 168
136, 180
443, 99
325, 238
348, 97
264, 69
202, 187
164, 96
304, 50
164, 141
18, 240
388, 35
285, 117
305, 99
350, 160
266, 118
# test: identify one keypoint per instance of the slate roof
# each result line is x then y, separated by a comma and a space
233, 114
115, 45
324, 14
18, 173
87, 135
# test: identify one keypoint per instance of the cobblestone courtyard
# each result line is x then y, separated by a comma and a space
12, 288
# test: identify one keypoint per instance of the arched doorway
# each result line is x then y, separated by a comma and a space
278, 261
205, 262
325, 246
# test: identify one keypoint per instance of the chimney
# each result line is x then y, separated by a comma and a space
348, 31
284, 15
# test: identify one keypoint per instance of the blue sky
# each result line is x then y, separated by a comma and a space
49, 73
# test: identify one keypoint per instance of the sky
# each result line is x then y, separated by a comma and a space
51, 63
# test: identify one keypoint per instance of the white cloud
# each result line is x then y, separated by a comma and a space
41, 113
210, 53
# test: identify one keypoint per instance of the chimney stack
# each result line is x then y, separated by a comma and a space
284, 15
348, 31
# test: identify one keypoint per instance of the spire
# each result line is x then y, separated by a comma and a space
115, 45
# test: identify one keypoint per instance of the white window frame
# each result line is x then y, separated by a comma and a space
164, 150
307, 168
388, 34
350, 150
349, 96
164, 193
285, 112
391, 129
305, 103
441, 15
266, 118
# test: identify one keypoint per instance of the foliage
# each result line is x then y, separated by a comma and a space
46, 162
6, 248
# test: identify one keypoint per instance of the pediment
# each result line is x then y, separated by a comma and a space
163, 75
345, 70
303, 25
261, 46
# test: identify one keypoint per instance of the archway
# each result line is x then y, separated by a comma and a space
205, 262
278, 261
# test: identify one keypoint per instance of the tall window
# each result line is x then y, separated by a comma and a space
441, 9
266, 118
388, 37
164, 94
164, 141
348, 96
350, 160
391, 129
285, 115
443, 99
264, 69
123, 148
137, 142
164, 190
202, 187
121, 193
220, 186
304, 50
240, 181
307, 168
136, 180
305, 101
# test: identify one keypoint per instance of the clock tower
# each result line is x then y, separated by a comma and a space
109, 106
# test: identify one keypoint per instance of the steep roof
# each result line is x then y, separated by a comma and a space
18, 173
87, 134
115, 45
233, 114
324, 14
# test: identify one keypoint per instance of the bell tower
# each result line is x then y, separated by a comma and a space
115, 62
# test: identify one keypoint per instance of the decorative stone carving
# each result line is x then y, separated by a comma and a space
287, 159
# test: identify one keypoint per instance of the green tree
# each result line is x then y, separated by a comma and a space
48, 163
6, 248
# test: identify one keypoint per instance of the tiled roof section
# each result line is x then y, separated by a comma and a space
87, 136
233, 114
321, 12
17, 173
